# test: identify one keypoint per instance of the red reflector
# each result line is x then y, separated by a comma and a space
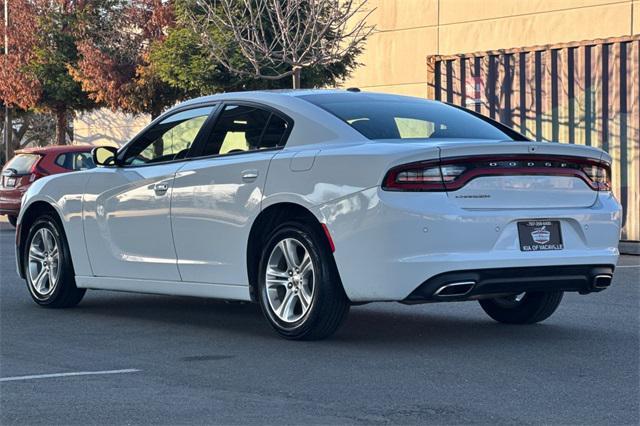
326, 232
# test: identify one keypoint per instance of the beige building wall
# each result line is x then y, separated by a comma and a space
104, 127
407, 31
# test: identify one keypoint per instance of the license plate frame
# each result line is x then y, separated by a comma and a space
540, 235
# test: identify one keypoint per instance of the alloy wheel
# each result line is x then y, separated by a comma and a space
44, 262
290, 280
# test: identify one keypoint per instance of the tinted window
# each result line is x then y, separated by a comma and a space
22, 164
392, 117
274, 133
75, 161
241, 128
168, 140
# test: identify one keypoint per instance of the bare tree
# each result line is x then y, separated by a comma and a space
278, 38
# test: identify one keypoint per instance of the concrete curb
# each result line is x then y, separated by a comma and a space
629, 247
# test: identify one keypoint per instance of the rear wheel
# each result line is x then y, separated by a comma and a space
524, 308
48, 268
13, 220
299, 289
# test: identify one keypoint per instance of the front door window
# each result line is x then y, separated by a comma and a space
168, 140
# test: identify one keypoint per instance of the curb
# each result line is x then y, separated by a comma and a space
629, 247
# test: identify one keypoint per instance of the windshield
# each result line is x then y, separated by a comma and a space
22, 164
395, 117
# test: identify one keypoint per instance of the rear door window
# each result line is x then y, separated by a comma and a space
75, 161
243, 128
22, 164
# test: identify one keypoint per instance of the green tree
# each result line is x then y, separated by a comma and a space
54, 53
184, 59
114, 67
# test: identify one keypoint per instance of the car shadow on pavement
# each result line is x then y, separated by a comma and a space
372, 324
178, 312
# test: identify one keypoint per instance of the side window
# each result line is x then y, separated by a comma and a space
242, 128
75, 161
64, 161
168, 140
82, 161
274, 133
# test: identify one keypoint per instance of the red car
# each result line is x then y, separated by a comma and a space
31, 164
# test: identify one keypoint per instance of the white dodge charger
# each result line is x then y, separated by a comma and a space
308, 202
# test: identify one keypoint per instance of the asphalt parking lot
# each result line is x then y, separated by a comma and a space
175, 360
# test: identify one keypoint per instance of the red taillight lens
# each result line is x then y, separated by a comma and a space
36, 173
421, 177
457, 172
599, 175
452, 172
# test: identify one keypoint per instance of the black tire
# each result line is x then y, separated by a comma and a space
531, 308
13, 220
65, 294
329, 304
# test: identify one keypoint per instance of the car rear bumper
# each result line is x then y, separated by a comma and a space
10, 201
388, 244
484, 283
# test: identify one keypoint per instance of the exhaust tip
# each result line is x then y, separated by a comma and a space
602, 281
455, 289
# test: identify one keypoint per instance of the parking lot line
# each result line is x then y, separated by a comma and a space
70, 374
628, 266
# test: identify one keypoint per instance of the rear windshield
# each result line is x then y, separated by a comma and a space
396, 117
22, 164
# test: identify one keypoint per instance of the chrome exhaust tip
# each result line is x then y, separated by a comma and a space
458, 289
602, 281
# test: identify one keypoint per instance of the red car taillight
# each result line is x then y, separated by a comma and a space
36, 173
600, 176
427, 176
453, 173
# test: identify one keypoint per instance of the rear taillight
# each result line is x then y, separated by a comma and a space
454, 173
36, 173
414, 177
422, 177
599, 176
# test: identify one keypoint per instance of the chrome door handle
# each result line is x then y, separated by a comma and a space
160, 188
249, 175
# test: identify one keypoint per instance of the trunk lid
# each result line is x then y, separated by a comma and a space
521, 175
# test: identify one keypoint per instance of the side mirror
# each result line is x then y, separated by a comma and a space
104, 155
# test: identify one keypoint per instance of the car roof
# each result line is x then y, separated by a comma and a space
55, 149
283, 94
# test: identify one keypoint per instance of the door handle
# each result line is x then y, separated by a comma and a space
249, 175
160, 188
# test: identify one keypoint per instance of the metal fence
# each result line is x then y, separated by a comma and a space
584, 93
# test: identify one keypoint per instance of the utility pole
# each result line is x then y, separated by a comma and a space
7, 112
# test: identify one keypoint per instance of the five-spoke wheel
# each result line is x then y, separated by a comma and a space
44, 262
289, 279
299, 288
47, 265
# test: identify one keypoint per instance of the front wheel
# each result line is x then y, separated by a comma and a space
524, 308
299, 288
48, 267
13, 220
